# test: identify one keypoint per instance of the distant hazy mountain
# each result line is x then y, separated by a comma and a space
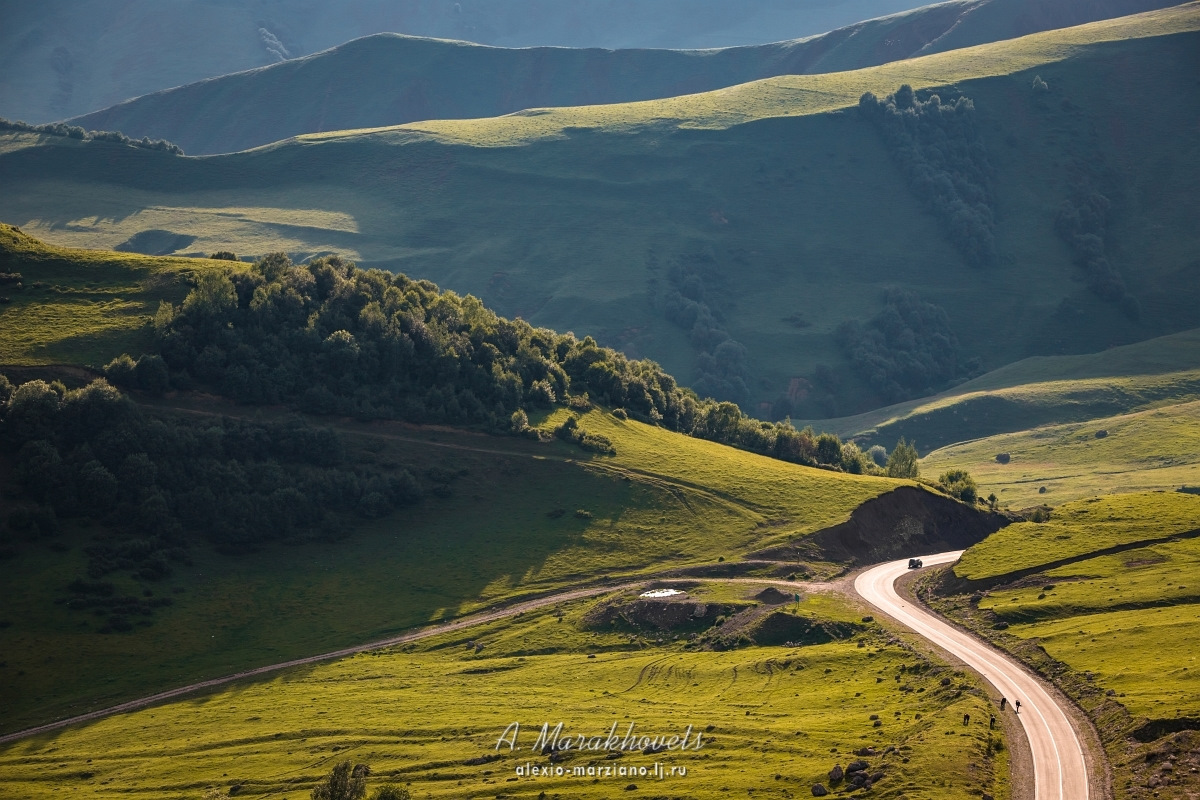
61, 58
388, 79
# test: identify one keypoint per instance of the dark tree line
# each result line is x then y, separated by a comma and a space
906, 350
76, 132
1082, 222
693, 296
159, 484
329, 338
938, 146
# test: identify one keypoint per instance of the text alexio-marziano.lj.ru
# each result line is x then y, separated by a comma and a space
556, 740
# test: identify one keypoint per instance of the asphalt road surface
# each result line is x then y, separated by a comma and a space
1059, 769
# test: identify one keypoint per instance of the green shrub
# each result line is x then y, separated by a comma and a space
959, 483
344, 782
390, 791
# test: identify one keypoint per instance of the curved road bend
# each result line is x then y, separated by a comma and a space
1059, 769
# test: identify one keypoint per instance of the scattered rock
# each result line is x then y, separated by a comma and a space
856, 766
836, 774
1003, 458
819, 791
865, 751
1101, 434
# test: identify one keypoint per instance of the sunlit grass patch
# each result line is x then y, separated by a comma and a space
1079, 528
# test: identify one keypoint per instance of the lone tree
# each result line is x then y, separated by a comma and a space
902, 463
344, 782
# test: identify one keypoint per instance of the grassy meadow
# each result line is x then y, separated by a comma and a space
521, 518
1146, 450
1119, 632
428, 716
1040, 391
84, 307
1076, 529
765, 189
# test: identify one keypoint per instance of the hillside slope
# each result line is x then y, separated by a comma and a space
1102, 598
390, 79
61, 58
750, 203
185, 535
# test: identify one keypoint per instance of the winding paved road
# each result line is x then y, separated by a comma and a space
1059, 769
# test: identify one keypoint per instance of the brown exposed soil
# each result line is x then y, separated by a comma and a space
658, 614
772, 596
907, 521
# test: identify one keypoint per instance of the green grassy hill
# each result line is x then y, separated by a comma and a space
389, 79
428, 717
1154, 449
1102, 597
754, 198
62, 58
146, 599
1040, 390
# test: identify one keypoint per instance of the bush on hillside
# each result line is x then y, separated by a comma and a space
694, 297
344, 782
938, 147
959, 483
76, 132
906, 350
1082, 222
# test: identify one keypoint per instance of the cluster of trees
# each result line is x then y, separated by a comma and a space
76, 132
959, 483
160, 483
1082, 222
938, 146
693, 297
330, 338
347, 782
906, 350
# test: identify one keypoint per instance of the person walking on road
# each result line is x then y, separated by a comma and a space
1017, 706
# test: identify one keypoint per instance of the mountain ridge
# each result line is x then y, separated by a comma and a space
389, 79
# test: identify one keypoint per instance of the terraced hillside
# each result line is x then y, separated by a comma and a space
716, 233
389, 79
